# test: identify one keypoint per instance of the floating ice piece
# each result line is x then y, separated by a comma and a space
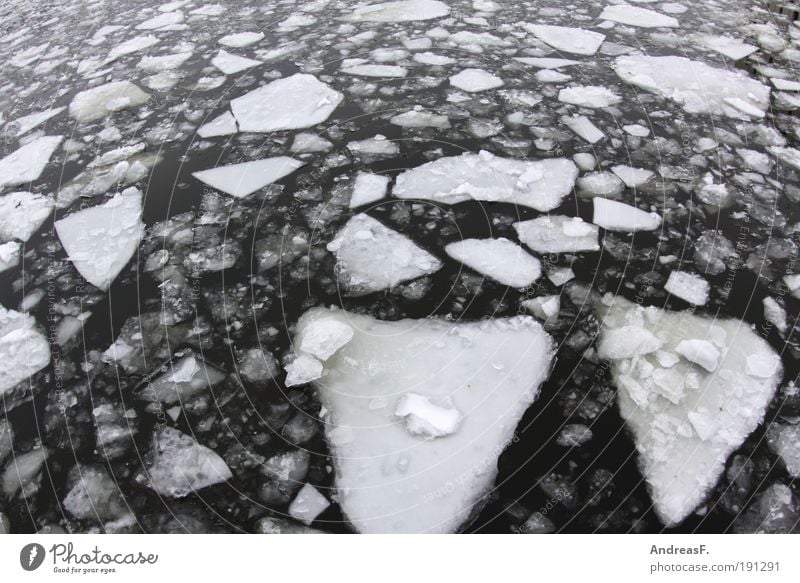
426, 419
177, 465
100, 240
698, 87
784, 441
637, 130
303, 369
790, 156
299, 101
27, 163
689, 287
231, 64
474, 80
163, 62
500, 259
547, 62
375, 146
308, 504
785, 84
632, 177
392, 481
733, 48
307, 142
162, 20
684, 441
28, 122
24, 351
745, 107
243, 179
618, 216
10, 254
133, 45
22, 213
186, 377
376, 70
222, 125
368, 188
589, 96
569, 40
323, 338
371, 257
420, 119
583, 127
98, 102
241, 39
400, 11
552, 76
775, 314
541, 184
428, 58
700, 352
546, 308
636, 16
627, 342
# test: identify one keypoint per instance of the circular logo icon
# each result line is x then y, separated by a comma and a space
31, 556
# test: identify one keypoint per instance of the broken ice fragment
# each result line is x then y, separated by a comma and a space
22, 213
368, 188
400, 11
540, 184
323, 338
558, 234
24, 351
500, 259
618, 216
100, 240
684, 437
583, 127
474, 80
376, 70
589, 96
27, 163
241, 180
222, 125
690, 287
303, 369
632, 177
490, 372
700, 352
241, 39
372, 257
230, 64
26, 123
177, 465
308, 504
426, 419
185, 378
570, 40
299, 101
637, 16
98, 102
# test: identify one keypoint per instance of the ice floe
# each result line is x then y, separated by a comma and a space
413, 403
230, 64
22, 213
613, 215
24, 351
541, 184
308, 504
689, 287
474, 80
299, 101
376, 70
400, 11
100, 240
558, 234
698, 87
31, 121
686, 419
97, 102
500, 259
27, 163
583, 127
732, 48
371, 257
589, 96
222, 125
241, 180
570, 40
241, 39
637, 16
368, 188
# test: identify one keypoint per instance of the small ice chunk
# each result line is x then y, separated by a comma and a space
637, 130
10, 254
399, 11
375, 146
305, 143
26, 123
546, 308
324, 338
569, 40
500, 259
299, 101
230, 64
372, 257
23, 352
627, 342
368, 188
763, 365
690, 287
637, 16
775, 314
241, 180
618, 216
792, 282
22, 213
100, 240
558, 234
27, 163
426, 419
632, 177
700, 352
585, 161
583, 127
241, 39
303, 369
420, 119
589, 96
98, 102
376, 70
222, 125
733, 48
560, 275
308, 504
474, 80
429, 58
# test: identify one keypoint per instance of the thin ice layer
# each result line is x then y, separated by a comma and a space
243, 179
686, 421
299, 101
100, 240
540, 184
392, 478
372, 257
698, 87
